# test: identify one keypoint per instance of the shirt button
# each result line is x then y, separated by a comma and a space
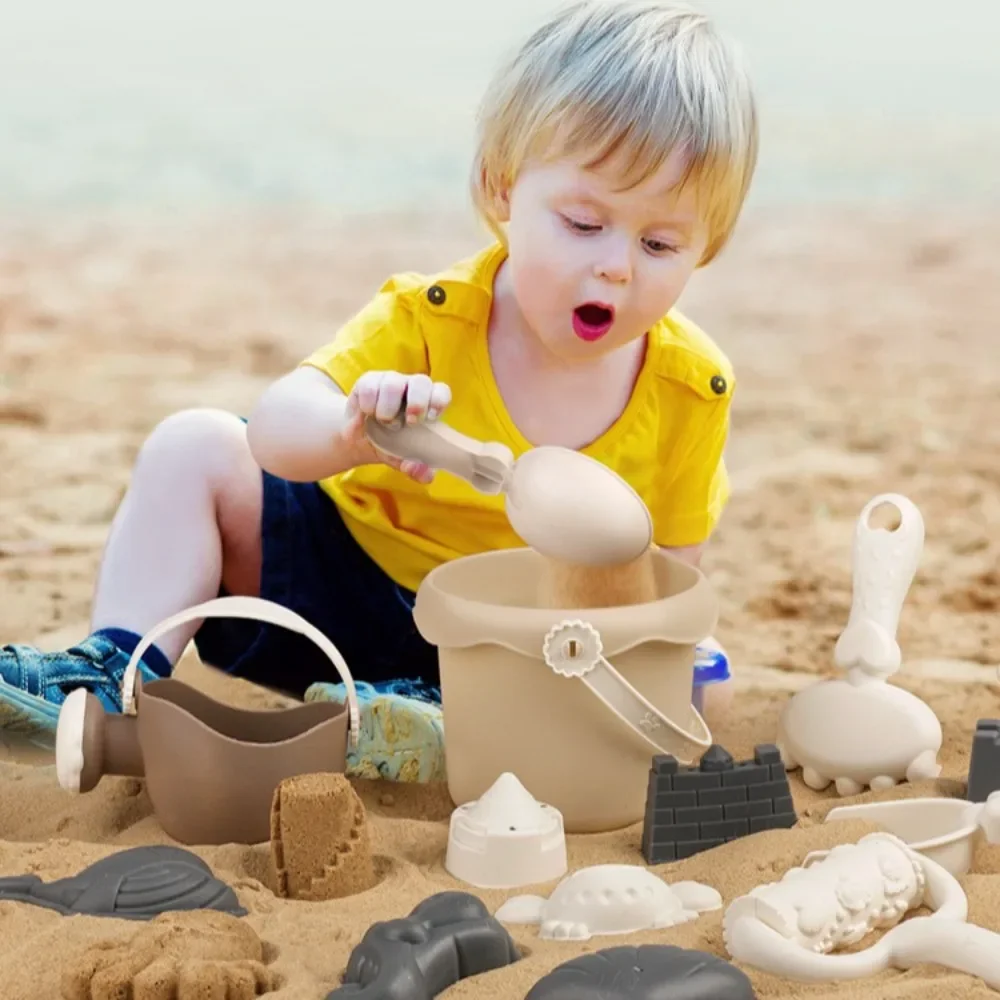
436, 295
718, 385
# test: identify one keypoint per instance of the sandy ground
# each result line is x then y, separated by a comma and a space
865, 348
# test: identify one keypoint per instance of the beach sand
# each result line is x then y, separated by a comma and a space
865, 347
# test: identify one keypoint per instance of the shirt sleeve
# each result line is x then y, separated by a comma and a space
692, 506
383, 336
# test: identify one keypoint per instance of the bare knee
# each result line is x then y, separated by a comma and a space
206, 444
203, 455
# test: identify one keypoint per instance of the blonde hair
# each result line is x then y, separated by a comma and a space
639, 79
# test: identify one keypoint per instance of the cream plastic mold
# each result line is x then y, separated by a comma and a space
506, 839
859, 730
610, 899
942, 829
789, 928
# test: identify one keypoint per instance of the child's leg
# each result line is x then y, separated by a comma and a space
190, 518
189, 521
312, 565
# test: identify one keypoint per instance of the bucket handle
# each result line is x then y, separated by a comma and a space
574, 649
255, 609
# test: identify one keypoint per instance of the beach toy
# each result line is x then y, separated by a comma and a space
136, 884
572, 702
610, 899
448, 937
859, 730
506, 839
320, 842
211, 771
649, 972
566, 505
984, 761
942, 829
790, 928
693, 809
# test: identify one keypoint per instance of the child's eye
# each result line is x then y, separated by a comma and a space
580, 227
659, 247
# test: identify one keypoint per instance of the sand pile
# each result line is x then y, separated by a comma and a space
320, 846
867, 358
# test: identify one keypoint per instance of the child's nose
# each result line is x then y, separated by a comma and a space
614, 263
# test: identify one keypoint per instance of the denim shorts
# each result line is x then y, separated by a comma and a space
313, 566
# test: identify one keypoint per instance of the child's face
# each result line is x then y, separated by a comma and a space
593, 267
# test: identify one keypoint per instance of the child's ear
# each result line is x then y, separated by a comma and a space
501, 203
497, 193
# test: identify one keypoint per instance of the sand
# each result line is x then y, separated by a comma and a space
866, 351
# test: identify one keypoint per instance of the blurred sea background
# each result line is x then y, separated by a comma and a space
115, 107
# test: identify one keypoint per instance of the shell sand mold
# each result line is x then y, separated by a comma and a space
611, 899
809, 448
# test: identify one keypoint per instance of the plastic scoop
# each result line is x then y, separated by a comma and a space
942, 829
885, 563
900, 736
563, 504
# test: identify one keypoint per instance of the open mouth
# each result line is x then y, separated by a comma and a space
592, 320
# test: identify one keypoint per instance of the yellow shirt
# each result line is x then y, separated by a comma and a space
667, 444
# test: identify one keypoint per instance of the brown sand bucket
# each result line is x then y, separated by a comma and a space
211, 770
575, 702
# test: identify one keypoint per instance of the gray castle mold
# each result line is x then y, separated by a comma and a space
692, 809
984, 764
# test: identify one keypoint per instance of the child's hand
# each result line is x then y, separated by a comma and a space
382, 395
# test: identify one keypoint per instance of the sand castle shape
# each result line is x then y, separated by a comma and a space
506, 839
320, 845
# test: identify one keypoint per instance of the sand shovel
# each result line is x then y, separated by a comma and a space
592, 528
561, 502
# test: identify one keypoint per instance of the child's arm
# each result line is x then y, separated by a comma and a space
298, 430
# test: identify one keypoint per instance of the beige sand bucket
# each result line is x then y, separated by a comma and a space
575, 703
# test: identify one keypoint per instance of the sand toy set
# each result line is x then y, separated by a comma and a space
566, 675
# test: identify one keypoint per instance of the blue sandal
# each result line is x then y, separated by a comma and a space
34, 684
401, 732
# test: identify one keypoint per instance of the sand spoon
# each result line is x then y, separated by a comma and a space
563, 504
